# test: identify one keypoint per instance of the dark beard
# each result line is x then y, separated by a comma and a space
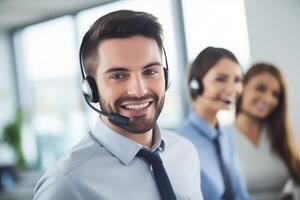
137, 124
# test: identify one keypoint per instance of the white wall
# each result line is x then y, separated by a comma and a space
7, 93
274, 35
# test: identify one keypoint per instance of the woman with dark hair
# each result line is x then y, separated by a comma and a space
265, 143
215, 82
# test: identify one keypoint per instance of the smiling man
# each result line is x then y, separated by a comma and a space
126, 155
131, 77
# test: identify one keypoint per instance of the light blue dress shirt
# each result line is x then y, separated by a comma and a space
103, 166
201, 134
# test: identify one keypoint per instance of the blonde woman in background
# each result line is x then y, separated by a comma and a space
265, 143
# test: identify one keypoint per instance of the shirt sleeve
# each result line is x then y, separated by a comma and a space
58, 188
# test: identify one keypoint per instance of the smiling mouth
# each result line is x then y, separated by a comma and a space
136, 106
262, 106
227, 100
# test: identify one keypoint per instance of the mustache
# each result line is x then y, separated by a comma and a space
133, 98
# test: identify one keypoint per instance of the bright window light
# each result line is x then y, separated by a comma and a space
220, 24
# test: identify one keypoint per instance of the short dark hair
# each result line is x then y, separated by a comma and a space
118, 24
205, 60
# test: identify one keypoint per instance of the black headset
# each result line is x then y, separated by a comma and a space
90, 89
196, 86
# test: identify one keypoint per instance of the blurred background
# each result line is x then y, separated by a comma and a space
42, 112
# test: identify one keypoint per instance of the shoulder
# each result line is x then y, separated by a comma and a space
178, 143
60, 178
230, 131
58, 186
184, 126
80, 154
230, 128
174, 138
188, 130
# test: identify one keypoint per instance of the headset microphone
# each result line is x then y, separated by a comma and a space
225, 100
118, 120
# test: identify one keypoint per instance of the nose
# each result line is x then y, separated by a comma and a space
269, 98
137, 86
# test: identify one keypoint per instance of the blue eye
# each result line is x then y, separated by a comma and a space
119, 76
149, 72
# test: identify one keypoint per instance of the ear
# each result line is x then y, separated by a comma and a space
90, 90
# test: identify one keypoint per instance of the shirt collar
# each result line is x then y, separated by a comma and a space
120, 146
204, 128
158, 143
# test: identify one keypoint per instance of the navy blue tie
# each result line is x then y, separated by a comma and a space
160, 174
228, 193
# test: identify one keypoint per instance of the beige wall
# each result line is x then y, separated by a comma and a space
274, 35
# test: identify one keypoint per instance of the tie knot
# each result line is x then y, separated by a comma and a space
151, 157
159, 172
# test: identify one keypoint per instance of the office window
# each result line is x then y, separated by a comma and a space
51, 86
220, 24
7, 87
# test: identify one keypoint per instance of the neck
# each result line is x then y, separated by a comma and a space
210, 116
249, 126
145, 139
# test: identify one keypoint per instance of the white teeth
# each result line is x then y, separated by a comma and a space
137, 107
262, 106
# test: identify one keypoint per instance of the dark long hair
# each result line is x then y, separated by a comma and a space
278, 126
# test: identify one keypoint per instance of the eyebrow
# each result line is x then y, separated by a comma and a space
223, 74
123, 69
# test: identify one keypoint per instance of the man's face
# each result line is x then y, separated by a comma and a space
130, 80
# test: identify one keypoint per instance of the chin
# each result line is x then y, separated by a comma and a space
260, 116
137, 129
227, 108
224, 108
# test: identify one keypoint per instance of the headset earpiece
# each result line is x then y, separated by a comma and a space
166, 70
166, 75
196, 87
90, 90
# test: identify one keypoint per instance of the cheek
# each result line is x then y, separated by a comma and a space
157, 87
109, 93
276, 103
239, 90
210, 88
247, 101
158, 91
